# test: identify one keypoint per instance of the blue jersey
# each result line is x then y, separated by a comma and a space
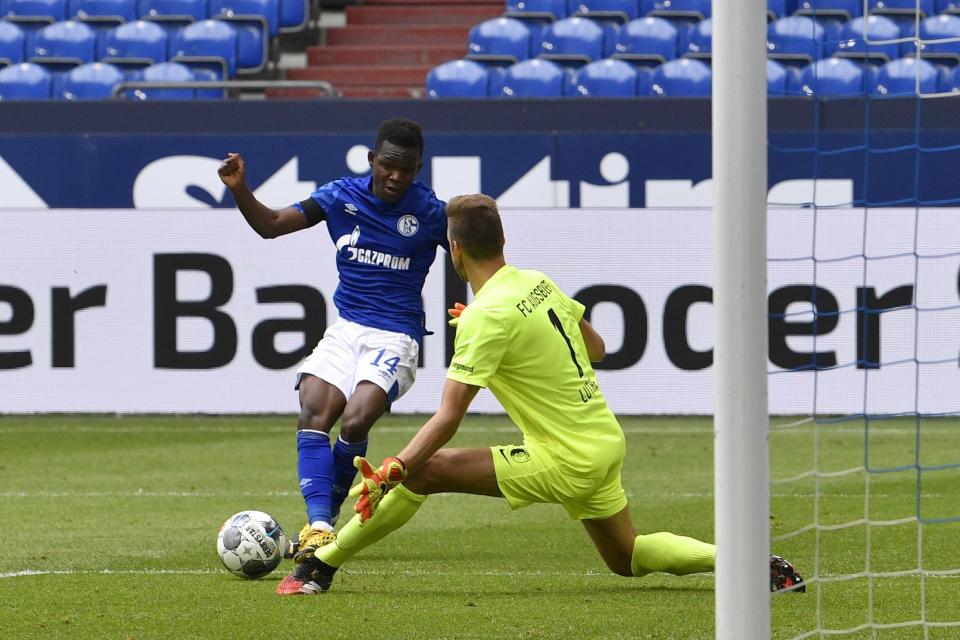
384, 251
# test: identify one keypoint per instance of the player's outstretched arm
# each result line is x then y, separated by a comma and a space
596, 349
375, 483
269, 223
438, 430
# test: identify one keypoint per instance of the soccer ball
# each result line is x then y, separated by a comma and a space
251, 544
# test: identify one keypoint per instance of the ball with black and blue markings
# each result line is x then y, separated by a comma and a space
251, 544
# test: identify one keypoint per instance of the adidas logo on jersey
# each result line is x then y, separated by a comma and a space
350, 208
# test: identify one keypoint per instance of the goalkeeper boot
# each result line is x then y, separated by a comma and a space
302, 574
321, 580
310, 540
783, 576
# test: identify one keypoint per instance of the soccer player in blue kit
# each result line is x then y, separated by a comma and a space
386, 228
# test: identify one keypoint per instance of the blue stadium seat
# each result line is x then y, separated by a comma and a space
622, 11
685, 10
24, 81
175, 13
843, 9
605, 78
941, 27
199, 73
134, 44
256, 21
495, 81
92, 81
572, 42
797, 40
12, 43
293, 15
35, 13
533, 78
834, 77
777, 79
682, 77
644, 80
268, 10
698, 41
954, 80
899, 77
902, 7
64, 45
536, 14
108, 13
950, 7
458, 79
499, 41
853, 43
211, 40
831, 14
609, 14
550, 9
164, 72
903, 12
649, 40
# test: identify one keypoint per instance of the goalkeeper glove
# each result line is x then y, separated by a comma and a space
458, 308
375, 483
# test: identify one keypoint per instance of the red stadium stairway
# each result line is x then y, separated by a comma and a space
387, 47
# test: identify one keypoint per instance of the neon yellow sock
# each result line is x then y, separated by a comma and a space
671, 553
395, 509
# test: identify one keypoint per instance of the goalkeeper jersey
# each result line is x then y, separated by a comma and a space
520, 338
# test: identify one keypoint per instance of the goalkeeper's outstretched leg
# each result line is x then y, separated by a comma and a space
629, 554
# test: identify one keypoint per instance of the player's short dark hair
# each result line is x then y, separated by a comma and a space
474, 222
401, 132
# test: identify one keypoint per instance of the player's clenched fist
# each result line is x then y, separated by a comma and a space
231, 170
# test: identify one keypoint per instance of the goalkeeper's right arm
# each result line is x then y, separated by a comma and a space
438, 430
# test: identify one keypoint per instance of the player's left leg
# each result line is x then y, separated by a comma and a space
629, 554
367, 404
613, 537
385, 369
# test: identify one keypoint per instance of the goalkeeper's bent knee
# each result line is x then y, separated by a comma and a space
670, 553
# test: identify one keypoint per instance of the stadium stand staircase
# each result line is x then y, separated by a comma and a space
387, 47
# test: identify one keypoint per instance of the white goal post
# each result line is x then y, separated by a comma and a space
741, 454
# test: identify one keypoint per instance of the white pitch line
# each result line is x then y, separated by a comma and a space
287, 494
146, 494
133, 572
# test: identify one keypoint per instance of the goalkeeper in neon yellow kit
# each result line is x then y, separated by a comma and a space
528, 343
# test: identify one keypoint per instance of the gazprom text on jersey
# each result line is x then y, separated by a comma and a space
380, 259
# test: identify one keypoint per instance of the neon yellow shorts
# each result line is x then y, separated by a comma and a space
529, 474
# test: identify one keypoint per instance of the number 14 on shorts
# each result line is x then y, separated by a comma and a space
390, 364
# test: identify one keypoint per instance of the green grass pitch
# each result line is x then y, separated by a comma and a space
110, 528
